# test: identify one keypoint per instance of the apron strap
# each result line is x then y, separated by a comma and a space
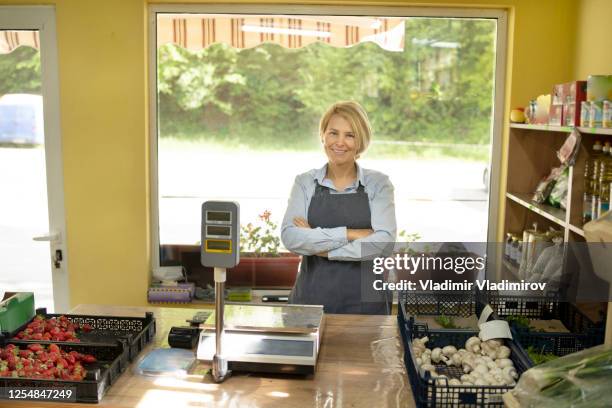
319, 189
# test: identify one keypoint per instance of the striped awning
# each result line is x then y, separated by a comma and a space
11, 39
197, 31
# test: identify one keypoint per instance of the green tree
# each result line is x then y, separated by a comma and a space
20, 71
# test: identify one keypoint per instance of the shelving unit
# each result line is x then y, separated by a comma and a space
532, 154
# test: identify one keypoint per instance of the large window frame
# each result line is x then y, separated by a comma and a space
499, 91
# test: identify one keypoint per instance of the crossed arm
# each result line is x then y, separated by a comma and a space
338, 243
351, 233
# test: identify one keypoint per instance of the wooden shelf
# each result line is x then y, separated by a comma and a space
563, 129
576, 230
553, 214
549, 128
596, 131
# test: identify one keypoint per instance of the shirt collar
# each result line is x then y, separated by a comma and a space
320, 174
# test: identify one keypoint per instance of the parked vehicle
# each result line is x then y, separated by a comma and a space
21, 119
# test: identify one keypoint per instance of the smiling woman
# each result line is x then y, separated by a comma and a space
332, 211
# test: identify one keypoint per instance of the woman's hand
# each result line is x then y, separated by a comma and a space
353, 234
300, 222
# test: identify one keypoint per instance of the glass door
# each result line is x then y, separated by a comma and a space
32, 231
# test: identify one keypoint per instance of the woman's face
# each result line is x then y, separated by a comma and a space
340, 141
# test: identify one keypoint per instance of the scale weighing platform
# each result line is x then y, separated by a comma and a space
263, 338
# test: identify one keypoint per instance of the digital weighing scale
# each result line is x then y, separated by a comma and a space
260, 338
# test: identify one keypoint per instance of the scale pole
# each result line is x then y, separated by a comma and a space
219, 364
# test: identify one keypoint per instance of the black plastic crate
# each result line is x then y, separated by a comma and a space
100, 375
583, 333
437, 303
137, 332
429, 394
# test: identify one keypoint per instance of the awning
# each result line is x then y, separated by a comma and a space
11, 39
198, 31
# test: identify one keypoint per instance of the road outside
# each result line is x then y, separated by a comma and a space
442, 200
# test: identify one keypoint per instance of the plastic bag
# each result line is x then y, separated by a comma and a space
546, 185
568, 152
558, 194
578, 380
548, 262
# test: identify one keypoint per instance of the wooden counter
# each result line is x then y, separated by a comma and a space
360, 365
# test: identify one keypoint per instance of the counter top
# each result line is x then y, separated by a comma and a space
360, 365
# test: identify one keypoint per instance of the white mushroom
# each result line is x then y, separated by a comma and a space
481, 381
509, 372
504, 362
456, 359
454, 381
473, 344
481, 369
437, 356
503, 352
467, 377
448, 351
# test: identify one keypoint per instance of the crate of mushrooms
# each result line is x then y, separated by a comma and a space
455, 368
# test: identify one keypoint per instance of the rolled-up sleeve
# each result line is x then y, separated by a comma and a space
384, 225
307, 241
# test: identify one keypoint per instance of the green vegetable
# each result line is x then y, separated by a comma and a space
581, 379
447, 322
538, 356
520, 322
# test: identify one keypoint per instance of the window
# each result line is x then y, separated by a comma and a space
240, 92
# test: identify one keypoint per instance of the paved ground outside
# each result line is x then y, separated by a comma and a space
441, 200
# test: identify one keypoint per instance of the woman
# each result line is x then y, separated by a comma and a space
335, 209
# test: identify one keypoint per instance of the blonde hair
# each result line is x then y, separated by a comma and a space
356, 116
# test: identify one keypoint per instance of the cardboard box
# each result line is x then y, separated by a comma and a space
566, 101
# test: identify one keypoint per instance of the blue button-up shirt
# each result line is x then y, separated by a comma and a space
311, 241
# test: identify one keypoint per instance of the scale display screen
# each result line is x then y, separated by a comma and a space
219, 231
218, 245
218, 216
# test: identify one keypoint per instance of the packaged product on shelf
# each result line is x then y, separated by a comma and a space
546, 185
558, 195
587, 195
605, 178
566, 102
585, 113
568, 152
594, 179
596, 115
549, 266
606, 120
534, 242
508, 246
599, 88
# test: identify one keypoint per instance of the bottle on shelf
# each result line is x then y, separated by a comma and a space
605, 177
508, 246
594, 178
588, 195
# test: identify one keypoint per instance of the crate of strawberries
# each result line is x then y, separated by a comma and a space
136, 332
83, 371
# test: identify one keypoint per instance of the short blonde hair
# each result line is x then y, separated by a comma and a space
356, 116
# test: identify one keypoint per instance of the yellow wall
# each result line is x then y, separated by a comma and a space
103, 96
593, 48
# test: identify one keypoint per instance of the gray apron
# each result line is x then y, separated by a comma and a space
337, 285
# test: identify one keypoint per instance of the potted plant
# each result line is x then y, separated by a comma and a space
262, 264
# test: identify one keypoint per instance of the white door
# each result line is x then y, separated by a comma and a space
32, 222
